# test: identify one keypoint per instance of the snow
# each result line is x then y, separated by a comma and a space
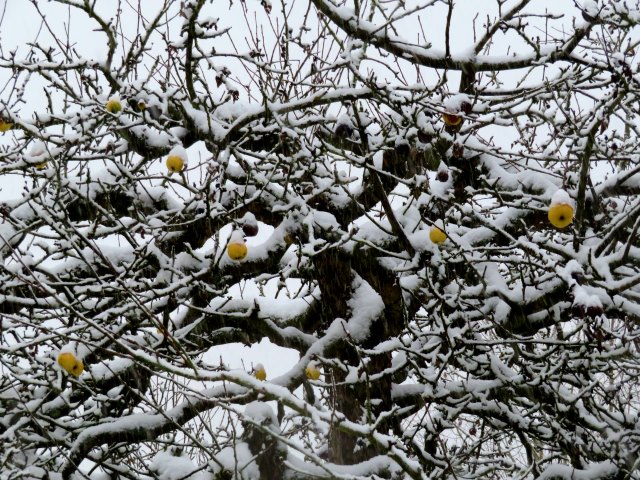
261, 412
111, 368
239, 460
562, 197
366, 469
237, 237
594, 471
69, 348
453, 104
172, 467
583, 298
38, 151
179, 151
366, 306
249, 218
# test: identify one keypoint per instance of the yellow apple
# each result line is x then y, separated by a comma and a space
237, 251
176, 159
175, 163
452, 119
259, 372
437, 236
312, 371
560, 215
71, 364
5, 126
114, 106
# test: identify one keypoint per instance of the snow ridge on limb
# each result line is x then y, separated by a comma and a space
426, 56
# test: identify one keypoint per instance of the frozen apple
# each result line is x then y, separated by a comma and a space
561, 210
113, 105
259, 372
312, 371
176, 159
237, 248
437, 236
71, 364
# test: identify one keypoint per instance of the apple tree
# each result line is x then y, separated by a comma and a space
431, 206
